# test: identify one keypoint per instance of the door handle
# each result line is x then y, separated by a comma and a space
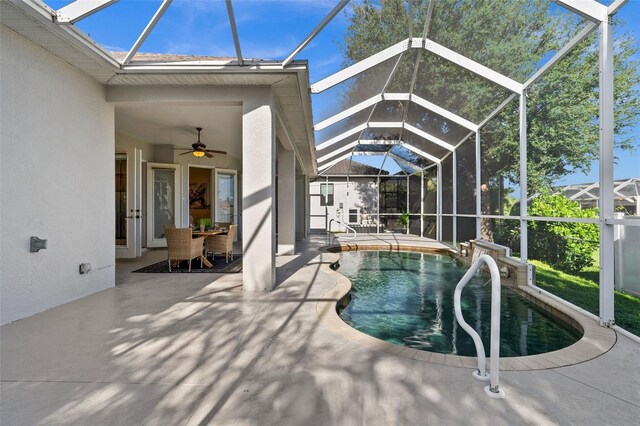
129, 217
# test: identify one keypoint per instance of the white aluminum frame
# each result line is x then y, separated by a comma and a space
234, 32
80, 9
404, 162
315, 31
524, 235
395, 97
588, 9
429, 45
454, 204
478, 187
606, 210
147, 30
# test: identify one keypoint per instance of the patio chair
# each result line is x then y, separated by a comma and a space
222, 243
181, 246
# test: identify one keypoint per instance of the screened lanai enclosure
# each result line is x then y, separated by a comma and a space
475, 117
471, 116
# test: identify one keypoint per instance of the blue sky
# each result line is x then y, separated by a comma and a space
271, 29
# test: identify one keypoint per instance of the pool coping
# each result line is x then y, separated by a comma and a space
596, 340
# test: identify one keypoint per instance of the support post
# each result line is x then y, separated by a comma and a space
422, 203
454, 207
286, 201
258, 181
307, 206
408, 208
439, 203
378, 203
478, 188
524, 240
606, 174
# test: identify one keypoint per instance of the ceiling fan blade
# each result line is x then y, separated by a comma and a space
208, 155
185, 153
216, 151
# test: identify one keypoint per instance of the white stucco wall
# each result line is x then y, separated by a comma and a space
349, 195
56, 180
126, 142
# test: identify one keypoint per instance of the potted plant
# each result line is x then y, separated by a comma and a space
204, 223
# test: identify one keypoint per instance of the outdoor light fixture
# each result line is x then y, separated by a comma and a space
199, 149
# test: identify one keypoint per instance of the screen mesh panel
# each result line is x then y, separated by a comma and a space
514, 41
456, 89
435, 124
352, 91
466, 177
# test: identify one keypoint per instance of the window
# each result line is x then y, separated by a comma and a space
326, 194
393, 195
353, 215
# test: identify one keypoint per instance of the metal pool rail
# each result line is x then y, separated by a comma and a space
339, 222
493, 390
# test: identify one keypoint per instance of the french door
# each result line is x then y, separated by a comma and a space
163, 201
225, 201
128, 199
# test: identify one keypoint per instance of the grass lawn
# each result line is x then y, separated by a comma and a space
582, 291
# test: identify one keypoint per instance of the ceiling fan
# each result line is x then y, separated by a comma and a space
199, 149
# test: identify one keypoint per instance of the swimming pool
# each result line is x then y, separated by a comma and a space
406, 298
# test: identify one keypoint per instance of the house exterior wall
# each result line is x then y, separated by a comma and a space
56, 180
359, 193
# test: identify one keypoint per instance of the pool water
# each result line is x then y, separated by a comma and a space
407, 299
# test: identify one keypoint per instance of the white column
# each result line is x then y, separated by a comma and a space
478, 188
307, 206
258, 187
439, 203
378, 203
422, 203
408, 209
606, 174
454, 207
286, 202
524, 240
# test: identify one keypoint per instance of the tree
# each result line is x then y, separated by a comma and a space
562, 107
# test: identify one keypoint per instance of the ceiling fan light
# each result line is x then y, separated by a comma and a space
198, 153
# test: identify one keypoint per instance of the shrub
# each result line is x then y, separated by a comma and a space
565, 246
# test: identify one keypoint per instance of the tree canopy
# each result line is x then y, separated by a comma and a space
562, 106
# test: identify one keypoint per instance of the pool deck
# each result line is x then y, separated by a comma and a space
173, 349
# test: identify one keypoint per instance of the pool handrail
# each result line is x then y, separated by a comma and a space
339, 222
493, 390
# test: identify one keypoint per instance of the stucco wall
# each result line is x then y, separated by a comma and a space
361, 194
56, 180
126, 142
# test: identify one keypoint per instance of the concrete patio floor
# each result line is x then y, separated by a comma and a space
194, 349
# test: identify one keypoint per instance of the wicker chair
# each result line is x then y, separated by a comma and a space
222, 243
181, 246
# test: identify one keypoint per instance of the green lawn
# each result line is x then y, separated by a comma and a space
582, 291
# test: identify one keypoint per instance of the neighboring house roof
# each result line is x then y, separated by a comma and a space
347, 167
169, 57
624, 189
